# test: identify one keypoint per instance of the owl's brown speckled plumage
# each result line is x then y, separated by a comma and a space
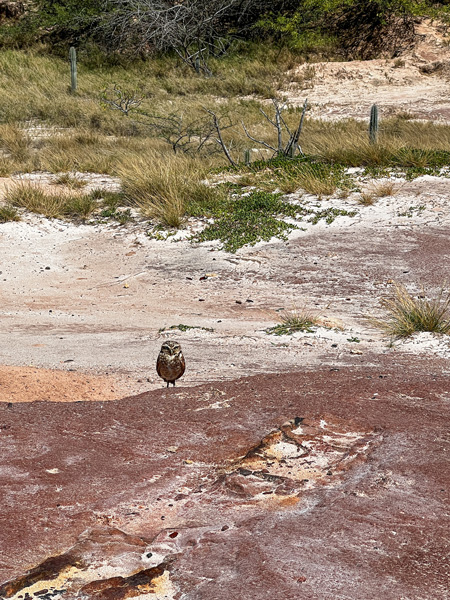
170, 364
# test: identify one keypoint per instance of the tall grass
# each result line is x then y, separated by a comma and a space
400, 143
15, 142
407, 314
34, 85
164, 189
49, 204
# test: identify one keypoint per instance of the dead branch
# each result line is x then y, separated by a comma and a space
262, 142
122, 100
293, 141
219, 138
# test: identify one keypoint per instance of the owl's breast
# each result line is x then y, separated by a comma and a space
170, 368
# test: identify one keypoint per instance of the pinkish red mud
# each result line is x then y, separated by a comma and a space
324, 484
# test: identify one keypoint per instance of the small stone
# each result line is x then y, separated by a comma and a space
172, 448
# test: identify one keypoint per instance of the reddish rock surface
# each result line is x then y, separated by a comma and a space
321, 484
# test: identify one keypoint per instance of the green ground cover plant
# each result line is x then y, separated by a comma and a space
183, 328
292, 321
259, 216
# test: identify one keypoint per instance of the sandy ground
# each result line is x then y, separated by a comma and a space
415, 83
95, 299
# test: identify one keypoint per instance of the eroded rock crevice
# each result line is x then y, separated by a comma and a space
301, 456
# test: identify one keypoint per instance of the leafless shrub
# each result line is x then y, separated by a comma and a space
122, 100
194, 29
283, 148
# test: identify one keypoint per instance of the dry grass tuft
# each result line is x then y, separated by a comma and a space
79, 206
407, 314
7, 166
33, 198
316, 182
367, 198
379, 190
15, 142
74, 183
385, 188
162, 190
8, 213
295, 320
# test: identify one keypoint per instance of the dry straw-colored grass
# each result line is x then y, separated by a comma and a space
52, 204
15, 142
407, 313
8, 213
381, 189
70, 181
406, 143
162, 189
367, 198
384, 189
34, 199
312, 180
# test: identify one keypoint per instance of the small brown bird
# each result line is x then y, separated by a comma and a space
170, 364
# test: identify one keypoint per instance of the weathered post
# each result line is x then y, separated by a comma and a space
73, 69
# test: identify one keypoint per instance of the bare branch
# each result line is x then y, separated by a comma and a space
194, 29
219, 138
258, 141
267, 117
118, 99
293, 142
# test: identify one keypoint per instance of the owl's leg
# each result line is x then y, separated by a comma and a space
168, 384
173, 383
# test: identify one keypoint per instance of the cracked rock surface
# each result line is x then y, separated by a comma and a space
321, 484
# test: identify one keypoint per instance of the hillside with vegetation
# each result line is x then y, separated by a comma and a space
167, 93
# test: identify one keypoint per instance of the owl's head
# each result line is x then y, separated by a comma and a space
171, 348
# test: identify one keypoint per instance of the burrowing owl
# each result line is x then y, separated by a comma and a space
170, 364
